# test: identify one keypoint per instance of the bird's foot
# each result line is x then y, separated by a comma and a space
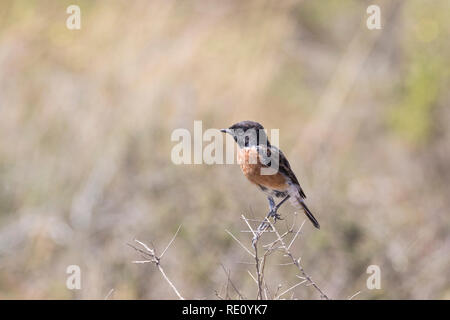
275, 216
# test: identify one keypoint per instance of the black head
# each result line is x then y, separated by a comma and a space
248, 133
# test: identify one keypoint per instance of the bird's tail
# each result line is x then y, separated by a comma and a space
298, 201
310, 215
308, 212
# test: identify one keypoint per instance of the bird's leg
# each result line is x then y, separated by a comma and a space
272, 213
282, 201
271, 203
274, 208
265, 223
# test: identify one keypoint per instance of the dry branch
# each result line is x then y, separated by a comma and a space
297, 263
277, 245
150, 256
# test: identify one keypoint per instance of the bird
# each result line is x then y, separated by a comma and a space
255, 154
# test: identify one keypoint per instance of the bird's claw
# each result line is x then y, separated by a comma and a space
275, 216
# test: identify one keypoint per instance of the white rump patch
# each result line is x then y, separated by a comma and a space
295, 196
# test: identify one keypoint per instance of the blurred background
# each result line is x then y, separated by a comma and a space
86, 118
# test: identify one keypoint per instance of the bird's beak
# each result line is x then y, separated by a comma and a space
224, 130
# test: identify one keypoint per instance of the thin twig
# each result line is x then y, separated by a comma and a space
350, 298
296, 234
259, 276
240, 243
228, 273
254, 279
170, 243
297, 264
291, 288
109, 294
248, 224
150, 257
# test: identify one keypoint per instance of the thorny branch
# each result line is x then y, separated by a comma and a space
279, 244
297, 262
150, 256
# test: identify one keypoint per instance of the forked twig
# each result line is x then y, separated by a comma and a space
279, 244
297, 263
228, 273
150, 256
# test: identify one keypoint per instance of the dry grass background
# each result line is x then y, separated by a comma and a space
86, 118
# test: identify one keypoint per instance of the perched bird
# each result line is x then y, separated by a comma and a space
256, 155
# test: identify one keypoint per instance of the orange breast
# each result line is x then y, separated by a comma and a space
248, 159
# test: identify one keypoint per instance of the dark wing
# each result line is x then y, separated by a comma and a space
283, 166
